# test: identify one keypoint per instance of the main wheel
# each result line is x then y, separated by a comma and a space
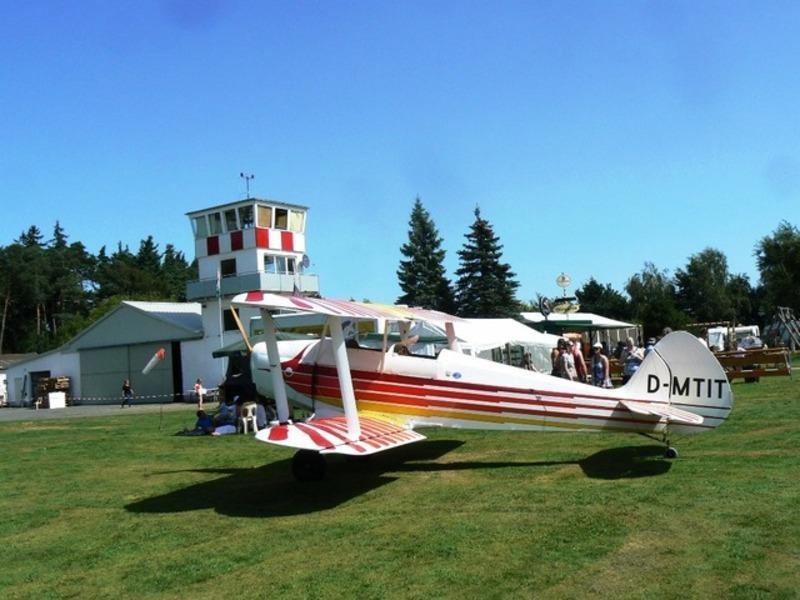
308, 465
670, 452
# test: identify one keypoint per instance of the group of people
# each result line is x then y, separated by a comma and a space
224, 422
569, 362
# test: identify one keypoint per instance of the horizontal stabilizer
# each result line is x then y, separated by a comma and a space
329, 436
666, 411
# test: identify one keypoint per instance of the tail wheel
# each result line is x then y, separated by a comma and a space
308, 465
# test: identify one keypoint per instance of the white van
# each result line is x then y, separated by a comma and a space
747, 336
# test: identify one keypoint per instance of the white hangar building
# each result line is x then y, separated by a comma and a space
251, 244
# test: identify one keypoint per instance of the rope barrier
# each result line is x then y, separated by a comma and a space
188, 396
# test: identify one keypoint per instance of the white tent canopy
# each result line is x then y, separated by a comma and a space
480, 336
599, 328
594, 321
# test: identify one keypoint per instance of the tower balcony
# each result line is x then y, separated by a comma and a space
247, 282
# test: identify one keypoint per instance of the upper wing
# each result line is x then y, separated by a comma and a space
339, 308
329, 435
662, 410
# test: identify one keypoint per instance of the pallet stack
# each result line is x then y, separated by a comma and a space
51, 384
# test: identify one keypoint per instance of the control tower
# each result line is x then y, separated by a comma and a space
247, 245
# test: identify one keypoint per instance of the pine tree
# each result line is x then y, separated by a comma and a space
422, 274
31, 238
486, 287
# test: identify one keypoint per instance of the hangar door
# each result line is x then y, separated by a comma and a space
104, 369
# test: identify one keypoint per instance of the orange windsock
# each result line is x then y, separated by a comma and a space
157, 357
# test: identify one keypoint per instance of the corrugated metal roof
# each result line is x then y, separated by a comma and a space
183, 314
6, 360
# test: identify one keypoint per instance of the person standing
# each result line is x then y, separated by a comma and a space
600, 374
565, 363
631, 358
127, 394
199, 392
577, 358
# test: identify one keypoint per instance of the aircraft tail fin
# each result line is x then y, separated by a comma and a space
683, 374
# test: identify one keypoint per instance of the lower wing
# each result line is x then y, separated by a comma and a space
329, 435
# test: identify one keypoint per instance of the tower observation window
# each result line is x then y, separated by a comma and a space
215, 223
200, 227
296, 221
230, 220
281, 218
269, 264
227, 267
246, 217
264, 216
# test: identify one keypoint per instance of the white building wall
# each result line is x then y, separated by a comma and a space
207, 267
196, 361
58, 363
248, 262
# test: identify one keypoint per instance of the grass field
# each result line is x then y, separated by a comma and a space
109, 507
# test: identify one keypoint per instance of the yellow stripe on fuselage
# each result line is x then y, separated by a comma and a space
409, 411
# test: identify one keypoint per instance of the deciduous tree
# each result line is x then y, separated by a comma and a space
603, 300
653, 300
702, 287
778, 260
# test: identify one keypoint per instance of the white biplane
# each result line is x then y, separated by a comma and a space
367, 400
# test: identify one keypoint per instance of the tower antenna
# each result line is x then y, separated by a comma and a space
247, 177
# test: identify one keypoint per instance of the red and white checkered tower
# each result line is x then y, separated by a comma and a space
251, 244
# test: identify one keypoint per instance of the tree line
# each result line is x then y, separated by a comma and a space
704, 290
50, 290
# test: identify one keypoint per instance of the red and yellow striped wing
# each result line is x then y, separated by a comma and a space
329, 436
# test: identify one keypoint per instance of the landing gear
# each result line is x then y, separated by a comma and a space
669, 450
308, 465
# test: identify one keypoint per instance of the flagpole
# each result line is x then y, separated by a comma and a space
221, 332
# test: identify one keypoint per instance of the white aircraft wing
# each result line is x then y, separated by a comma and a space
339, 308
329, 436
660, 409
353, 433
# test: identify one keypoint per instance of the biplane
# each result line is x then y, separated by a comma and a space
371, 399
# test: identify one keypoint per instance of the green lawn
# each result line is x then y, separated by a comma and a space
109, 507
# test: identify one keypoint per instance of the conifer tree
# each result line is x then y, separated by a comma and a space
422, 273
486, 286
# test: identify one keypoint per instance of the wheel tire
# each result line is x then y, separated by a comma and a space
670, 453
308, 465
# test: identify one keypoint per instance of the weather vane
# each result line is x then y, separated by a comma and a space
247, 177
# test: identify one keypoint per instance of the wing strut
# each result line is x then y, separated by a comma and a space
452, 340
278, 388
345, 382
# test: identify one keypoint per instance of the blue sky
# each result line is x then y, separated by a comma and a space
594, 136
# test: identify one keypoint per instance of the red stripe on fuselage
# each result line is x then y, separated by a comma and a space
419, 386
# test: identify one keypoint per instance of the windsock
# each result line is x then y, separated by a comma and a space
158, 356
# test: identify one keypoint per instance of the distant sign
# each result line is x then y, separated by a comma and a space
544, 307
563, 280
